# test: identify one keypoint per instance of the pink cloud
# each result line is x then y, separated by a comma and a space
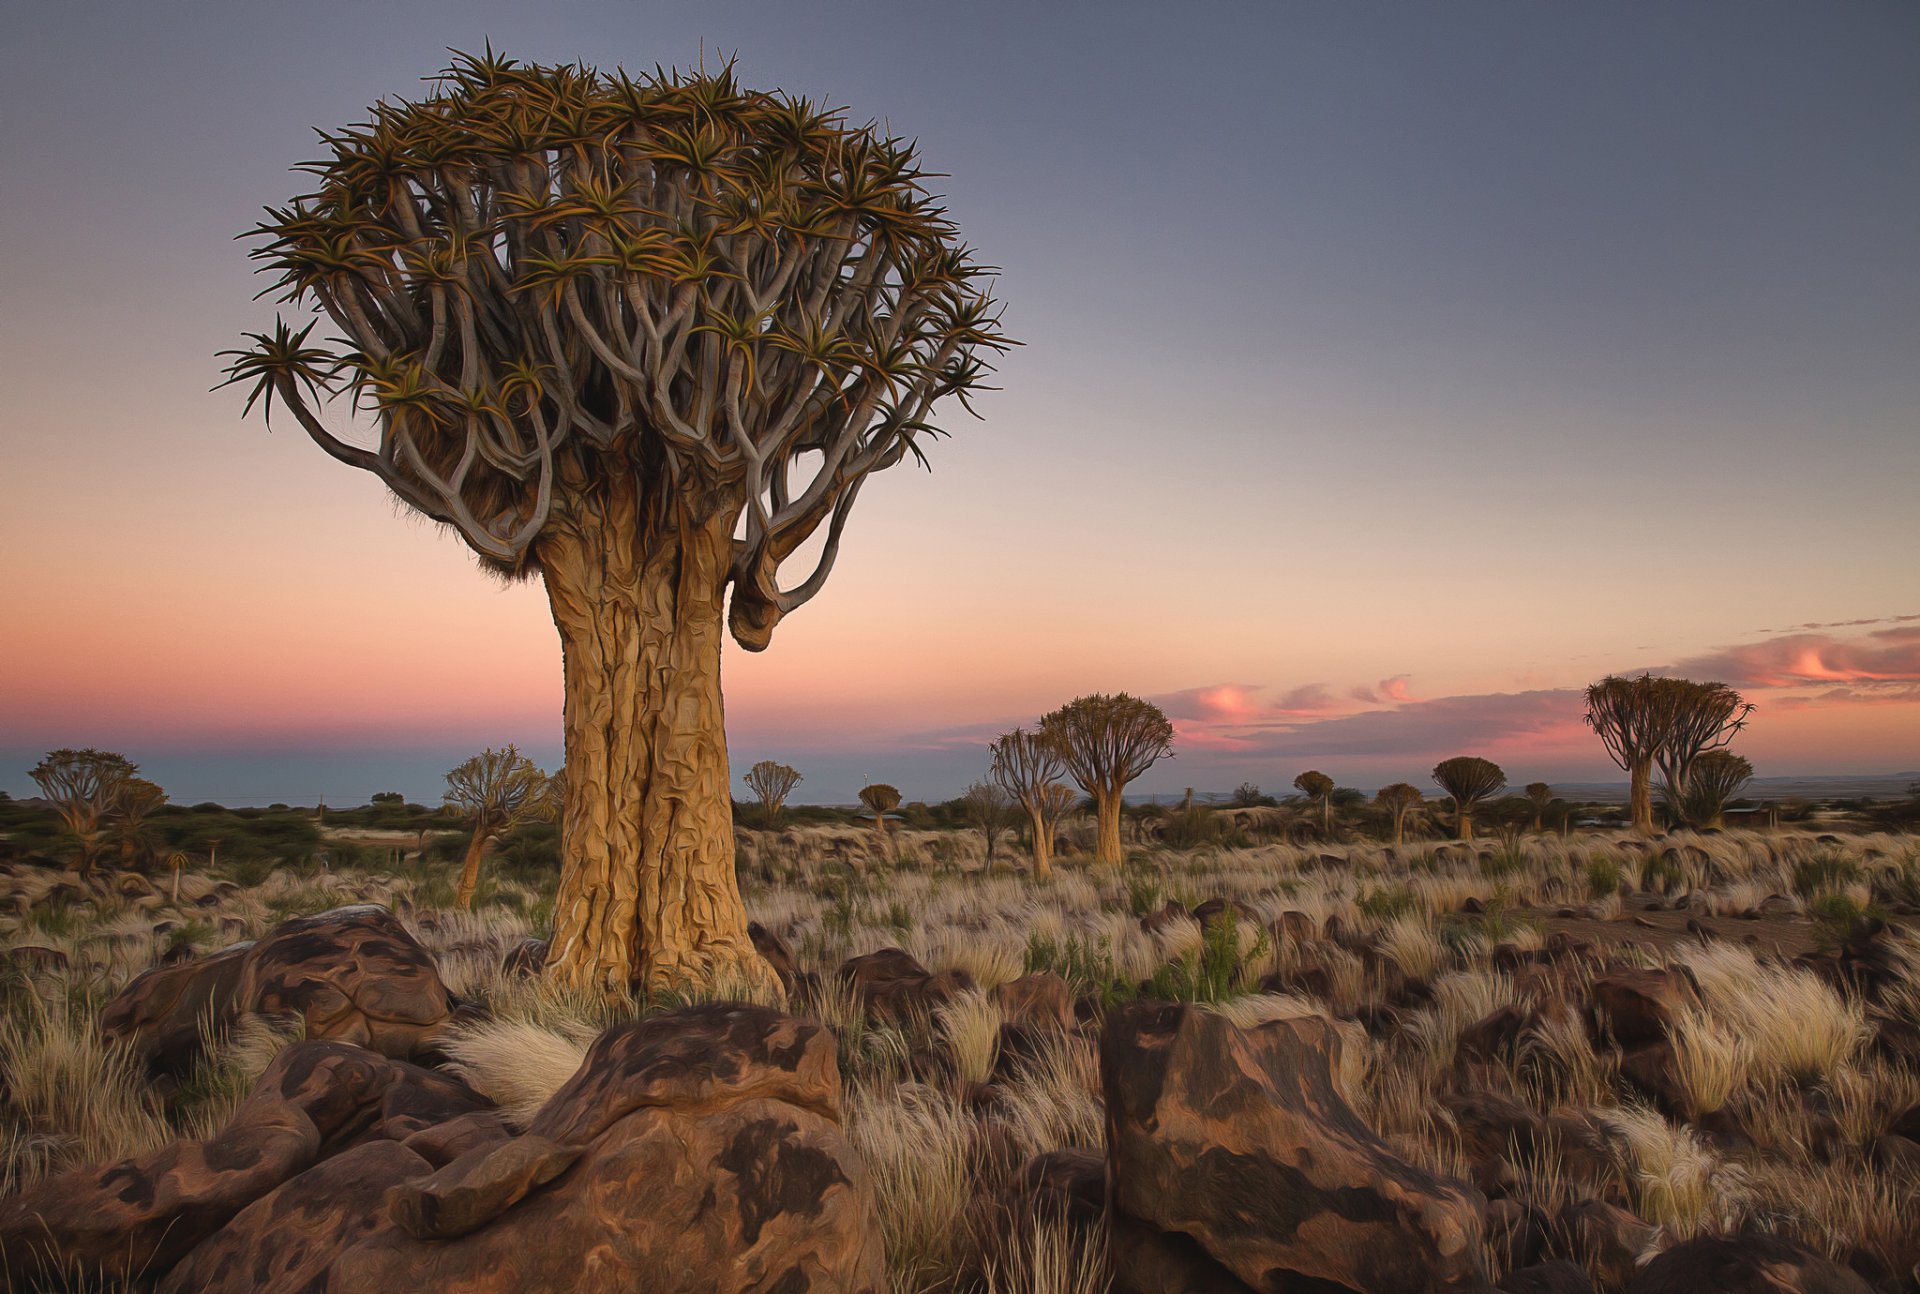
1883, 657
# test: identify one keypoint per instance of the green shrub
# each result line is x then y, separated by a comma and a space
1604, 874
1824, 873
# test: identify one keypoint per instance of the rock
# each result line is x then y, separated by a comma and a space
774, 950
1041, 1001
1239, 1139
1149, 1261
528, 957
891, 985
1517, 1232
1754, 1263
1494, 1131
1654, 1068
1556, 1277
351, 975
1064, 1186
1213, 911
36, 960
1612, 1238
141, 1215
161, 1012
697, 1150
1168, 913
1639, 1006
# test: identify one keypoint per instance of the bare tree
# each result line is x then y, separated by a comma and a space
1400, 800
987, 805
495, 791
1106, 741
640, 337
771, 783
1715, 778
1028, 767
1469, 780
84, 786
1318, 788
880, 800
1542, 795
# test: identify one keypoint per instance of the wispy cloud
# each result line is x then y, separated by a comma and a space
1883, 657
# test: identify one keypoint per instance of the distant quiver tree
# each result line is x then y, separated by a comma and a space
494, 792
1318, 788
1028, 767
880, 799
1468, 779
987, 806
1399, 800
771, 783
640, 337
1541, 795
1669, 722
1106, 741
1715, 778
84, 786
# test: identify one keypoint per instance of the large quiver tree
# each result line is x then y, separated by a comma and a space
1669, 722
642, 337
1106, 741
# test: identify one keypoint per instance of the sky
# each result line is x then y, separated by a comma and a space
1390, 372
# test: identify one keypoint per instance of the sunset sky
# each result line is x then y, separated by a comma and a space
1391, 371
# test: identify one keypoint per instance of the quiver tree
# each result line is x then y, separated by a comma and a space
84, 787
988, 807
136, 802
1318, 788
495, 791
771, 783
1468, 779
1400, 800
1028, 767
1106, 741
1541, 794
880, 800
1665, 721
1714, 779
641, 338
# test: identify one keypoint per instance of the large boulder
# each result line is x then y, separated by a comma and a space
140, 1215
698, 1150
1746, 1264
162, 1012
891, 985
351, 975
1637, 1005
1239, 1140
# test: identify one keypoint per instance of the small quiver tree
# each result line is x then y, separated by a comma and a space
1468, 779
641, 338
84, 787
771, 783
1400, 800
1714, 780
880, 800
1028, 767
989, 809
131, 819
495, 791
1318, 788
1541, 795
1106, 741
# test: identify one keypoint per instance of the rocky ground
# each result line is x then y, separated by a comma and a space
1534, 1064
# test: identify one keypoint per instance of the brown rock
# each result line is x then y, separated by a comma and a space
1638, 1006
1239, 1139
528, 957
160, 1013
142, 1214
352, 975
891, 985
1757, 1263
1150, 1261
1610, 1237
774, 949
1517, 1232
1556, 1277
1168, 913
1495, 1130
1040, 1001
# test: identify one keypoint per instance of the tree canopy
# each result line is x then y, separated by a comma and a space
1106, 741
1469, 779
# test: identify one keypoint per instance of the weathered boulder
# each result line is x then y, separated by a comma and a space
774, 950
693, 1151
140, 1215
1756, 1263
352, 975
1639, 1006
528, 957
1041, 1001
161, 1012
891, 985
1610, 1238
1239, 1139
1556, 1277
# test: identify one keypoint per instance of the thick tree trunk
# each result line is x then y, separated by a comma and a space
1106, 850
1399, 828
1042, 846
1640, 796
1465, 817
470, 870
647, 893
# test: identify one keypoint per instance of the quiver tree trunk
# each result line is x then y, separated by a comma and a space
1106, 850
470, 868
1463, 816
1640, 795
1042, 844
647, 891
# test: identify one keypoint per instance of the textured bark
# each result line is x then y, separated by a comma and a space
647, 892
470, 869
1042, 845
1465, 817
1107, 851
1640, 795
